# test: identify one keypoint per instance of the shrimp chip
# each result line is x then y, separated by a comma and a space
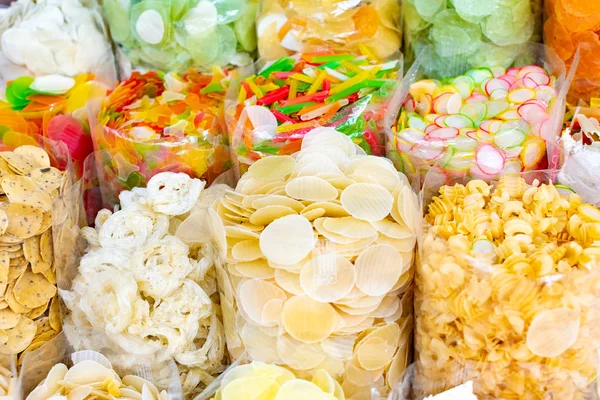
377, 269
266, 215
310, 188
366, 201
552, 332
287, 240
327, 277
307, 320
272, 168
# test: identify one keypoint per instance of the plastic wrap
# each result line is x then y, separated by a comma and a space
33, 175
174, 35
336, 298
507, 290
56, 370
464, 34
572, 24
269, 112
285, 27
142, 284
486, 123
153, 123
47, 37
10, 387
52, 106
581, 144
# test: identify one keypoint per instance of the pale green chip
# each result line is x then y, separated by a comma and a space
429, 8
204, 50
490, 55
510, 25
245, 28
227, 45
179, 8
229, 10
453, 36
474, 10
117, 14
412, 19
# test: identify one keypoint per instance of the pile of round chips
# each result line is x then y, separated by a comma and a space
370, 27
320, 248
573, 24
289, 97
152, 123
29, 314
463, 34
144, 289
507, 291
271, 382
45, 37
177, 35
53, 106
92, 377
487, 122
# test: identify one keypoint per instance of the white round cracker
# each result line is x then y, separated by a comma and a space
367, 201
287, 240
311, 188
327, 277
378, 269
552, 332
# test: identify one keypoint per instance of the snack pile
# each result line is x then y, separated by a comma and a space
53, 106
506, 291
153, 122
319, 264
92, 376
487, 122
292, 95
29, 314
463, 34
573, 24
47, 37
176, 35
285, 27
145, 289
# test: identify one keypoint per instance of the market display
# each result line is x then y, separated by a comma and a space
571, 25
54, 107
152, 123
29, 314
146, 288
370, 27
176, 35
92, 376
276, 107
319, 264
462, 34
581, 144
48, 37
488, 122
506, 291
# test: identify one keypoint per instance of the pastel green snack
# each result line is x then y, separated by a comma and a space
178, 34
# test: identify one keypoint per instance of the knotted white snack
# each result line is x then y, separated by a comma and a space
144, 290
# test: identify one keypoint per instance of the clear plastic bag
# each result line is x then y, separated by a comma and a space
506, 290
35, 377
141, 285
569, 25
79, 45
270, 108
339, 299
140, 138
486, 123
465, 34
285, 27
174, 35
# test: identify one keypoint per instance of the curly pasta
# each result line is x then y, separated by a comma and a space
507, 292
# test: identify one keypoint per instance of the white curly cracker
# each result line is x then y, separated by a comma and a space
173, 193
126, 230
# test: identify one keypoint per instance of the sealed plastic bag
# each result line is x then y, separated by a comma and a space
153, 123
54, 37
33, 175
141, 283
174, 35
269, 112
52, 106
485, 123
507, 290
285, 27
464, 34
318, 267
572, 24
9, 384
56, 370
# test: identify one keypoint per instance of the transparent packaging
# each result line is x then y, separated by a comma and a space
465, 34
54, 37
285, 27
269, 109
485, 123
141, 283
337, 298
140, 135
174, 35
507, 289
